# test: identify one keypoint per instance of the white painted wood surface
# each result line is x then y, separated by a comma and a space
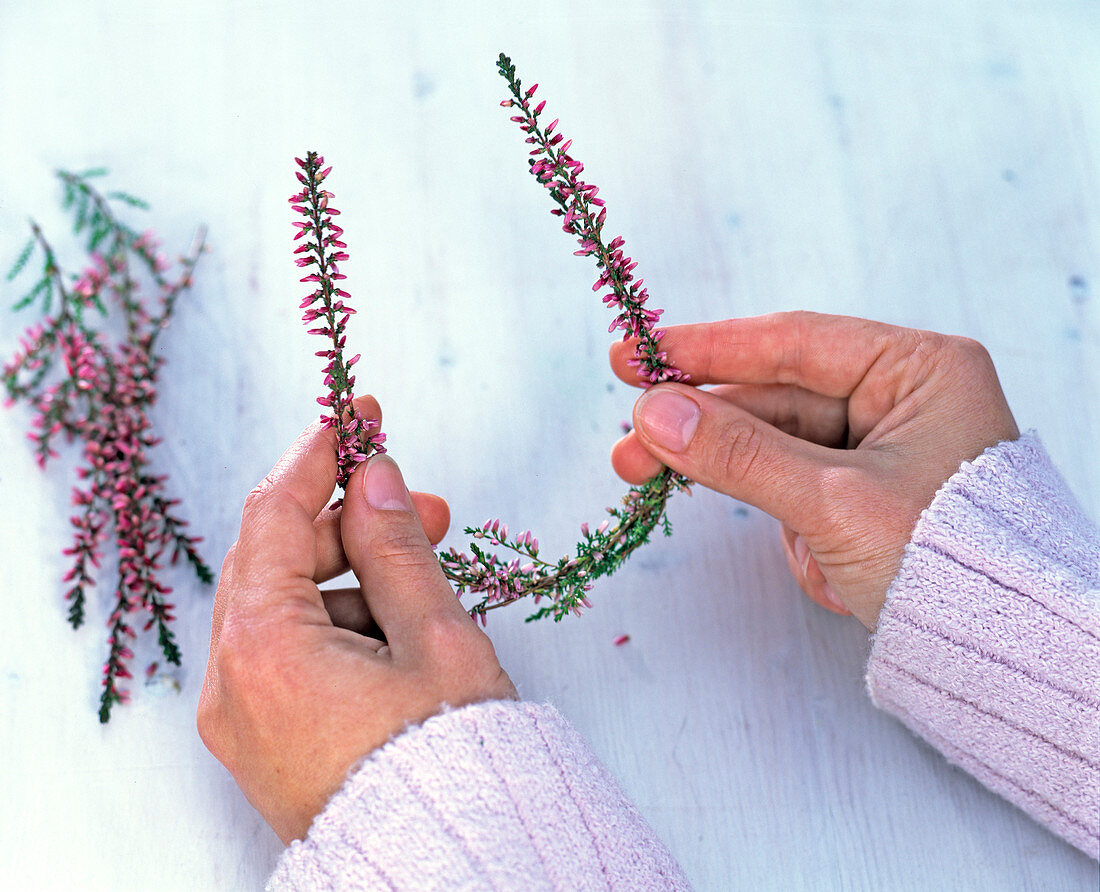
930, 164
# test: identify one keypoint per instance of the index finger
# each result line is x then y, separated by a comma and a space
828, 355
277, 540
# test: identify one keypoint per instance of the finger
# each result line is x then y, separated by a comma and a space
794, 410
348, 610
277, 542
434, 513
405, 589
807, 572
633, 462
829, 355
725, 448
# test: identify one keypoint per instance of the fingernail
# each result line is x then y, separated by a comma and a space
830, 596
667, 418
384, 487
801, 554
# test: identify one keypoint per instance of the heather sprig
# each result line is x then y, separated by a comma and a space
583, 215
326, 307
92, 380
502, 580
564, 583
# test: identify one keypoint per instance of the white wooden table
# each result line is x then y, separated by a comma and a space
930, 164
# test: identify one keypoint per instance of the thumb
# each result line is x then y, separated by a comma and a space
725, 448
401, 581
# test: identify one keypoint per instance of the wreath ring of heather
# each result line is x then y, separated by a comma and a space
556, 588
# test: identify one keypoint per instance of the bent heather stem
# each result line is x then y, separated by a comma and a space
584, 215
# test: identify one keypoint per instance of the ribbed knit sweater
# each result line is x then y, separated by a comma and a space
988, 647
989, 644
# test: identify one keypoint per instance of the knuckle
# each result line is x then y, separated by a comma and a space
208, 722
975, 354
450, 632
801, 320
257, 497
914, 357
790, 358
266, 500
927, 349
962, 360
972, 348
735, 451
402, 545
455, 646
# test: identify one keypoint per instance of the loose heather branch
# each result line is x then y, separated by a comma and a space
358, 437
90, 387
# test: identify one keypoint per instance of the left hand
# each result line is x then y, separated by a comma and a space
300, 686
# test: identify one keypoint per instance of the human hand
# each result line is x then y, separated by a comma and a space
300, 685
843, 429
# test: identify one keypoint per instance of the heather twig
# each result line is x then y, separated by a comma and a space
89, 383
321, 252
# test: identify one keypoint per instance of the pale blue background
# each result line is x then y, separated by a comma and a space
928, 163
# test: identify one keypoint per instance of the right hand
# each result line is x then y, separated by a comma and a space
841, 428
297, 691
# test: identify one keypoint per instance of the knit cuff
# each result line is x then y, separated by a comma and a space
988, 646
498, 795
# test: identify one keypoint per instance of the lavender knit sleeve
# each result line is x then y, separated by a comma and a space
989, 644
498, 795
